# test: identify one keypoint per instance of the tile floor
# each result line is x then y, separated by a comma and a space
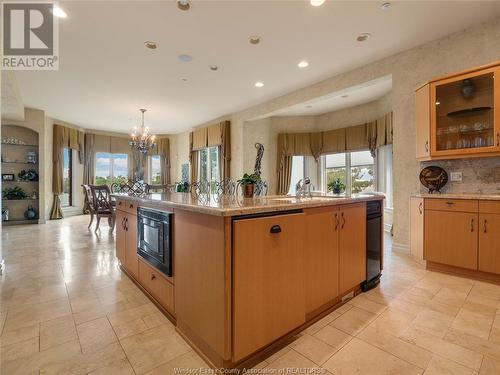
65, 308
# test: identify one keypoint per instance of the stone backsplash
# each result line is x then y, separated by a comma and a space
480, 176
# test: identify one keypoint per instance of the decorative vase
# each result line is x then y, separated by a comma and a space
30, 213
248, 190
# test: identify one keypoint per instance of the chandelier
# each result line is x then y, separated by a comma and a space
141, 139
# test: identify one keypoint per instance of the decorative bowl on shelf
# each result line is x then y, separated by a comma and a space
434, 178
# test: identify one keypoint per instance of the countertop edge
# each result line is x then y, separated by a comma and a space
239, 211
485, 197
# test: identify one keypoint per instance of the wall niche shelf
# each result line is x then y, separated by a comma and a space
14, 160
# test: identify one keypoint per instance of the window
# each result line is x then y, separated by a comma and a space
110, 168
384, 173
66, 196
355, 169
208, 165
298, 173
154, 170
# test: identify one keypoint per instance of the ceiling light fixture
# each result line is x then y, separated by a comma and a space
344, 96
303, 64
363, 37
259, 84
151, 45
185, 58
59, 13
143, 141
255, 39
183, 4
317, 3
308, 106
214, 68
385, 6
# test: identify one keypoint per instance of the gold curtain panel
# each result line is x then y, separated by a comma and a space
199, 138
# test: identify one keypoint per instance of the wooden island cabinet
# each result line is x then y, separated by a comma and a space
463, 235
247, 278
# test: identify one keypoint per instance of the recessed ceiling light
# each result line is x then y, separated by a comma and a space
385, 6
317, 3
309, 106
183, 4
259, 84
345, 96
303, 64
214, 68
184, 79
185, 58
59, 13
255, 39
151, 45
363, 37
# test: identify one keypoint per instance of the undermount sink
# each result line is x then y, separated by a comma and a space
290, 198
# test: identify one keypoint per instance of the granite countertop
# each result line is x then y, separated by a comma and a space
234, 206
490, 197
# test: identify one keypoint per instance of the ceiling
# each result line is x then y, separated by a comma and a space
106, 74
350, 97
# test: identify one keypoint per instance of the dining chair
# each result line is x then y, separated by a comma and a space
89, 202
101, 195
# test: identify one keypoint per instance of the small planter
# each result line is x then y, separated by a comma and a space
248, 190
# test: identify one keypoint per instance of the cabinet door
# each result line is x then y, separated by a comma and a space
417, 227
489, 243
352, 246
321, 256
131, 260
423, 122
451, 238
268, 280
120, 236
462, 114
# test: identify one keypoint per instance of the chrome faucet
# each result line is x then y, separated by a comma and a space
303, 188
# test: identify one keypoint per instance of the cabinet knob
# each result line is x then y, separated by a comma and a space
343, 221
472, 225
498, 139
131, 206
336, 220
153, 277
119, 203
485, 226
426, 146
420, 208
275, 229
449, 203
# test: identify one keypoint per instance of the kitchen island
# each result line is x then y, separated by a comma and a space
246, 274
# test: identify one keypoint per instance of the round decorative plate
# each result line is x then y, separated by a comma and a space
433, 178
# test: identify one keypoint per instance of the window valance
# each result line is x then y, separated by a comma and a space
361, 137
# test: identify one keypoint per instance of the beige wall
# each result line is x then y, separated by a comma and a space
472, 47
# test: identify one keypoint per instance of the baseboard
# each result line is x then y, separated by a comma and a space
400, 247
72, 211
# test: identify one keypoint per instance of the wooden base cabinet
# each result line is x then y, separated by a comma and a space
126, 241
321, 257
417, 227
352, 246
268, 280
157, 285
489, 243
451, 238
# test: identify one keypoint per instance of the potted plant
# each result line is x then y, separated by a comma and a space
248, 184
336, 186
15, 193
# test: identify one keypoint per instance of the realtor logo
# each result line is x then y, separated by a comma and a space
30, 36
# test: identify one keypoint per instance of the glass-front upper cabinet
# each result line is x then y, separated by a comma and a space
462, 114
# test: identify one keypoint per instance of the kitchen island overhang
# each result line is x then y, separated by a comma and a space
249, 273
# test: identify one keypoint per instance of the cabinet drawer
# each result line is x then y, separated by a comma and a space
127, 206
461, 205
489, 207
156, 284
